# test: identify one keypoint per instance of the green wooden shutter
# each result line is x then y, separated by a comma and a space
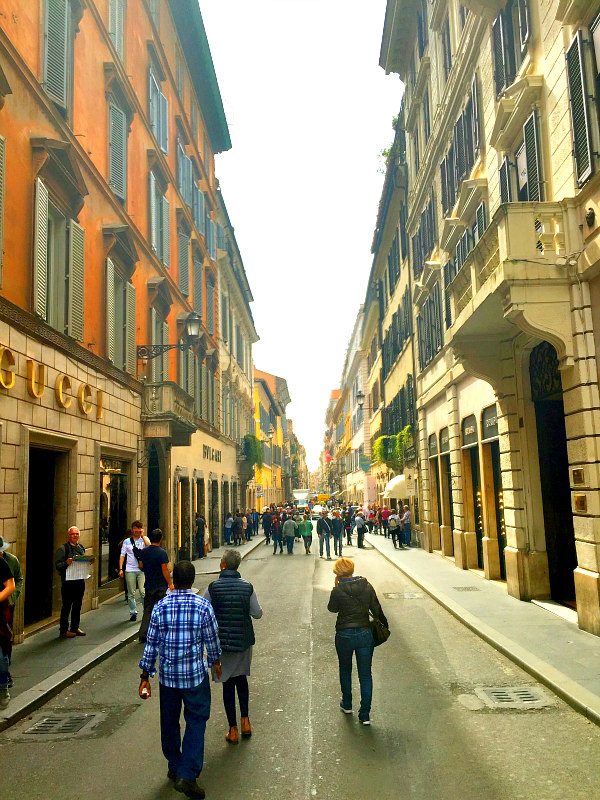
153, 206
40, 251
523, 14
117, 151
204, 392
197, 387
130, 330
76, 279
198, 285
475, 123
505, 188
578, 94
182, 367
499, 62
165, 355
56, 47
532, 157
184, 262
480, 220
210, 306
166, 232
154, 363
116, 19
110, 310
2, 195
191, 386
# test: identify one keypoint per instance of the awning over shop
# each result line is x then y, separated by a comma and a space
396, 487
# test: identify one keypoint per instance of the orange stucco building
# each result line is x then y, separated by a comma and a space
110, 119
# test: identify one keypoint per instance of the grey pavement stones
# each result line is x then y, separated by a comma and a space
553, 650
45, 664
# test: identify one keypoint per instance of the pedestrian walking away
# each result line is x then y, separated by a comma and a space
405, 522
352, 598
361, 529
385, 515
306, 532
235, 604
228, 527
324, 533
238, 528
200, 527
394, 529
255, 521
155, 566
129, 566
71, 591
266, 523
15, 568
7, 589
348, 526
290, 531
182, 627
276, 534
337, 529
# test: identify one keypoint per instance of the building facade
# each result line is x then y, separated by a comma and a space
501, 119
271, 397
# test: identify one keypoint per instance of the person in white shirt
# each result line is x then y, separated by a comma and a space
405, 522
128, 563
395, 529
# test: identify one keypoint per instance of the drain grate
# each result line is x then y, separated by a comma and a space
403, 595
514, 697
466, 589
63, 725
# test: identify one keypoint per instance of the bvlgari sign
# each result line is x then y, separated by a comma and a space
67, 393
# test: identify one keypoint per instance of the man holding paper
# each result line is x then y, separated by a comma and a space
71, 590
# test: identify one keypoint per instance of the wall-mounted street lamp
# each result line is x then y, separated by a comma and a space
271, 433
193, 324
360, 398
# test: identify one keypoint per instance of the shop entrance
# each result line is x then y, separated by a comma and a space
185, 533
154, 504
46, 524
498, 505
215, 522
546, 393
113, 517
472, 484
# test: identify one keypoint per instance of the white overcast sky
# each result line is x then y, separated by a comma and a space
309, 112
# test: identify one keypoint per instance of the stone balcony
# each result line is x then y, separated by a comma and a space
168, 413
518, 273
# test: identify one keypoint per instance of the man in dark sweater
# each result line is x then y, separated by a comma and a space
155, 566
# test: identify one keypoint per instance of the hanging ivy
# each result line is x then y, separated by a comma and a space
253, 450
390, 450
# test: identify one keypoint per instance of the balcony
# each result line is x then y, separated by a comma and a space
168, 413
518, 274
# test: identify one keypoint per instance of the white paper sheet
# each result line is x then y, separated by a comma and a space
78, 571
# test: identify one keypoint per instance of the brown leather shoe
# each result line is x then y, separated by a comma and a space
232, 736
79, 632
68, 635
246, 728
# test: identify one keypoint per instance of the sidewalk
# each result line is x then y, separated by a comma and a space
552, 649
45, 664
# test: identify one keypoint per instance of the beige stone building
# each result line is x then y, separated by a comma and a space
501, 116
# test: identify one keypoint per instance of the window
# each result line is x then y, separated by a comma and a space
224, 318
393, 264
183, 252
424, 240
466, 243
59, 266
211, 237
416, 155
398, 334
116, 24
180, 75
463, 152
446, 46
117, 149
210, 304
2, 194
198, 277
240, 350
426, 117
429, 327
120, 319
510, 37
505, 183
185, 176
58, 52
159, 221
187, 369
579, 94
199, 207
160, 335
528, 167
194, 121
153, 7
159, 113
422, 31
463, 15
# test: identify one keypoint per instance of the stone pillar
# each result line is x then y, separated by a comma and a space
456, 483
424, 482
581, 400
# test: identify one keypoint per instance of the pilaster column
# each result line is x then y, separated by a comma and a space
424, 481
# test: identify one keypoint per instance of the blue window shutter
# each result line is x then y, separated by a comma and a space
116, 20
110, 310
56, 49
198, 285
117, 151
76, 279
154, 214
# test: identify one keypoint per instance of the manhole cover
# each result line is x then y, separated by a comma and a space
517, 697
63, 726
402, 595
466, 589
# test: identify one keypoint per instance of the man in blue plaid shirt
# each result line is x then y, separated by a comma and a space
182, 627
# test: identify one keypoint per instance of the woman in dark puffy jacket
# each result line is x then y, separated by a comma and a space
351, 599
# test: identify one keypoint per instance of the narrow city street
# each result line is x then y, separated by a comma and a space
431, 737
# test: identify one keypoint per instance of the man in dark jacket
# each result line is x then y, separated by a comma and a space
324, 532
71, 591
235, 604
266, 523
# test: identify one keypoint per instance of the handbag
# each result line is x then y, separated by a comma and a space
379, 631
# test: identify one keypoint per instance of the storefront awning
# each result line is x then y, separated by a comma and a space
396, 487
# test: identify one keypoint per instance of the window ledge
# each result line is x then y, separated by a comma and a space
514, 107
572, 12
452, 230
471, 194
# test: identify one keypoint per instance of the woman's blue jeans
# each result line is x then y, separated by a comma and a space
359, 641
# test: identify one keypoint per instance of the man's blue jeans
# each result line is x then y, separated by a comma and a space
186, 760
289, 543
359, 641
323, 537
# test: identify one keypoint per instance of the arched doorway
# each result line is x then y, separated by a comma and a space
546, 394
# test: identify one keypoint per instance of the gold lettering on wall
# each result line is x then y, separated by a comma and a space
7, 368
36, 378
84, 398
62, 385
99, 404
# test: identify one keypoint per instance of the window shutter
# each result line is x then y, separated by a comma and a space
475, 124
468, 134
163, 115
184, 263
2, 194
445, 205
182, 369
76, 279
40, 255
116, 11
459, 138
198, 285
191, 387
204, 392
153, 337
499, 64
165, 355
166, 232
505, 188
480, 220
130, 348
154, 227
523, 10
110, 310
532, 156
197, 387
56, 47
582, 147
117, 151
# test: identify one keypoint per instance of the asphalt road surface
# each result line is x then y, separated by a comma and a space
432, 736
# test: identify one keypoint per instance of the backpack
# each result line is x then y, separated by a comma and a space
393, 523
